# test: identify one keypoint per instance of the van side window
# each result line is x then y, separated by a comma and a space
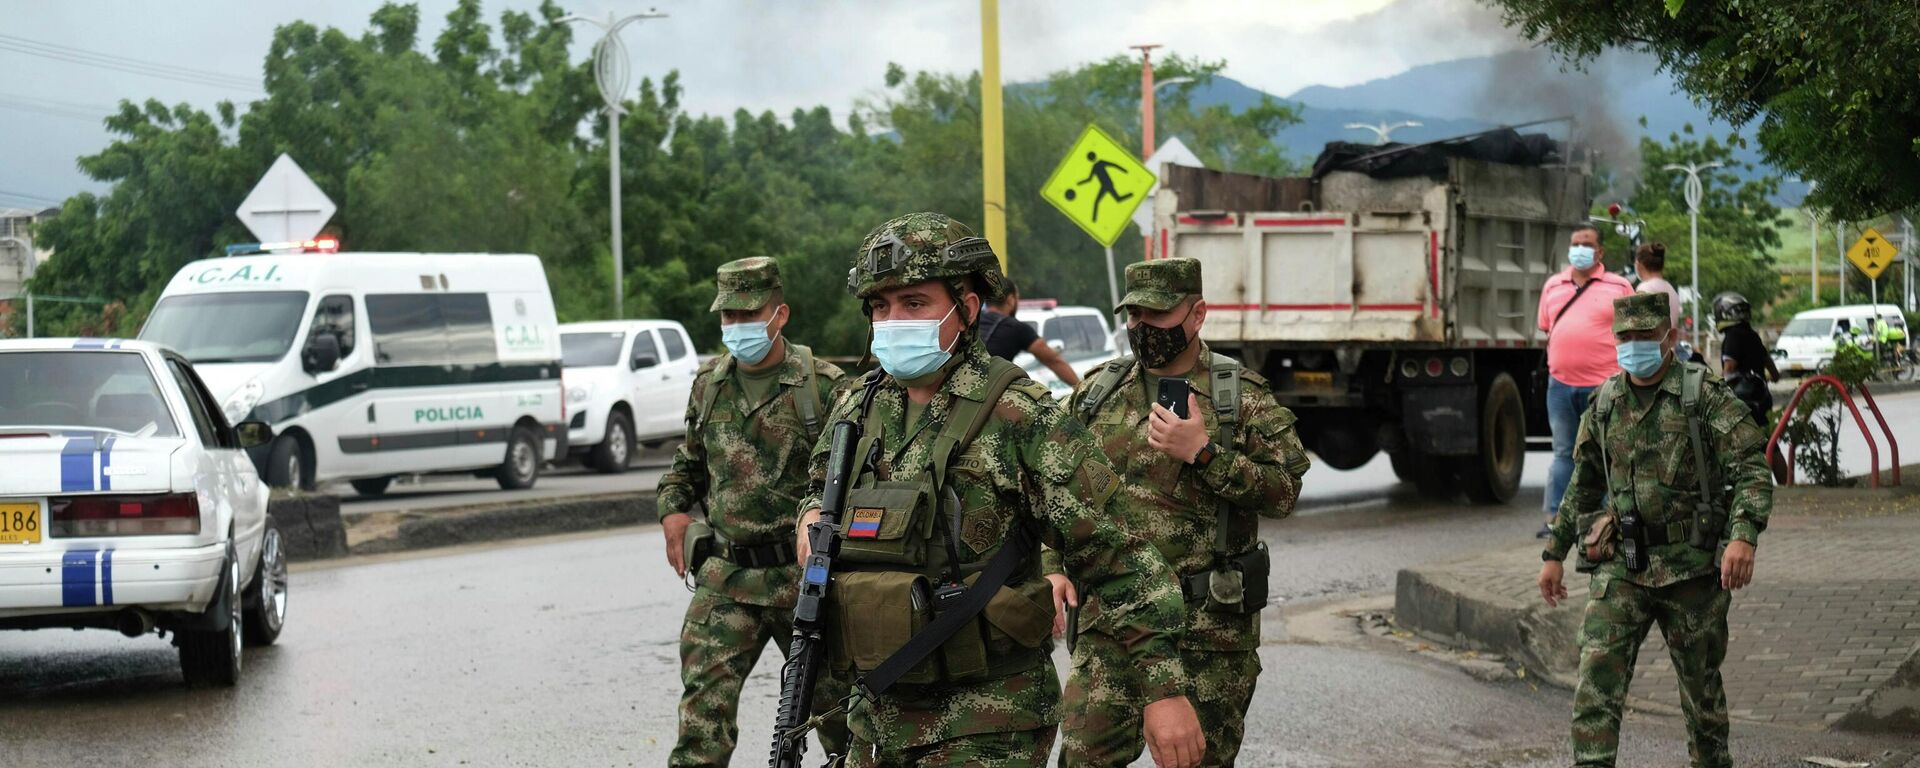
407, 329
676, 346
643, 347
469, 329
334, 316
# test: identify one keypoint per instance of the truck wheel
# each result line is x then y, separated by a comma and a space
1346, 448
1493, 476
1431, 476
613, 453
522, 464
1405, 465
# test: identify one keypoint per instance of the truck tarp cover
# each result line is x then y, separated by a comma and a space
1394, 161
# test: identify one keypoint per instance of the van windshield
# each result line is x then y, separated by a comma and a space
250, 327
590, 350
1808, 326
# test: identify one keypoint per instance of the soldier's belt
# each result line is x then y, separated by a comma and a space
758, 555
1671, 533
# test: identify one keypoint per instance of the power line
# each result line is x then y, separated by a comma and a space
54, 111
25, 196
73, 105
123, 64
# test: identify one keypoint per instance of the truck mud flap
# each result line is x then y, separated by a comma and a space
1442, 420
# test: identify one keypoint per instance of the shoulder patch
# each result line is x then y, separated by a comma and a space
1098, 481
1249, 376
1030, 388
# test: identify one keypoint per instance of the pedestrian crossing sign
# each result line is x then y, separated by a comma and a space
1871, 253
1098, 184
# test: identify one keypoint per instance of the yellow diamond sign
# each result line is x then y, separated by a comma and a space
1098, 185
1871, 253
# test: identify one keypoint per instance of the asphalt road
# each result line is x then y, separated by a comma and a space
563, 651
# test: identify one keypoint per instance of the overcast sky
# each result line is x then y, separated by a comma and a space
758, 54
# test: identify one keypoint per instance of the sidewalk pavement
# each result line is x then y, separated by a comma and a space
1828, 635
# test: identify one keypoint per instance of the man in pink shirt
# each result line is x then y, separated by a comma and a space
1576, 312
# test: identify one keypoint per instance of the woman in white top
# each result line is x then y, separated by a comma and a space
1650, 262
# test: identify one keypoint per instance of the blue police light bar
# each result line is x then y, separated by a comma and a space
318, 245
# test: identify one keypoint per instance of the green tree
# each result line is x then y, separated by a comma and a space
1828, 81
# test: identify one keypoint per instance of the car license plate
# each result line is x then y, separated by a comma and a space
1313, 379
20, 522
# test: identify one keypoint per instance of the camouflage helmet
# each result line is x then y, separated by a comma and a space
919, 247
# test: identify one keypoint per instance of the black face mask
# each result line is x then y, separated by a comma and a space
1157, 347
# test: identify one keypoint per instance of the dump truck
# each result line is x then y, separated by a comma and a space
1391, 297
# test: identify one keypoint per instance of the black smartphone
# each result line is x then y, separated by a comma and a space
1173, 395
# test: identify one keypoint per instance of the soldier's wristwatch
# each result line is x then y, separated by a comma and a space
1547, 556
1206, 455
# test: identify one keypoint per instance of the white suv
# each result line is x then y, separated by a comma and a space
127, 502
628, 382
1079, 334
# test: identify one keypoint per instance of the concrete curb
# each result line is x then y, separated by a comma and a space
1894, 708
383, 532
310, 525
1542, 639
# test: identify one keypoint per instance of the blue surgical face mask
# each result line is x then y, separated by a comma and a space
1639, 358
748, 342
910, 349
1581, 256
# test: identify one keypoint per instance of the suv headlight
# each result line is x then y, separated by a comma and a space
242, 401
578, 394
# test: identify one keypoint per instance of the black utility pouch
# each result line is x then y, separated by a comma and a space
698, 545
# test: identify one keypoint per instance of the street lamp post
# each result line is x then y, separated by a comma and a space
1694, 192
610, 71
1383, 130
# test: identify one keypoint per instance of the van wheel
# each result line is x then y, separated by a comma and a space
211, 657
522, 464
288, 465
266, 598
1493, 476
612, 454
370, 486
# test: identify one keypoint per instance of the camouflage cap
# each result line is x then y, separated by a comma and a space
1160, 284
1641, 312
919, 247
746, 284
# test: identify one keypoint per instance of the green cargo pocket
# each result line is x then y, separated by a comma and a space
874, 615
1023, 615
886, 524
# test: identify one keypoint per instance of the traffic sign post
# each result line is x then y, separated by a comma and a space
286, 204
1098, 185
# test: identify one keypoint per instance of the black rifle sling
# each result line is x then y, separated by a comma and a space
1018, 547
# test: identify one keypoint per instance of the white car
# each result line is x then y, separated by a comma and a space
127, 502
1806, 344
628, 382
1079, 334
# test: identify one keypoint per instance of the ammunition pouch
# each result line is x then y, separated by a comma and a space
1601, 543
889, 523
698, 545
1708, 524
876, 613
1238, 585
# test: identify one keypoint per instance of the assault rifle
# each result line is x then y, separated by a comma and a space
807, 655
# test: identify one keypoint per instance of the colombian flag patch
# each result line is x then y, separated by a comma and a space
866, 523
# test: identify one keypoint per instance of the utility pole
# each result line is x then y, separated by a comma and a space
1694, 191
1813, 224
993, 155
610, 71
1840, 245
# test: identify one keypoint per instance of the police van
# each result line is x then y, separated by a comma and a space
375, 365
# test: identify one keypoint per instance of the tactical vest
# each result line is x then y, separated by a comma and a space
1703, 525
899, 563
1237, 580
808, 400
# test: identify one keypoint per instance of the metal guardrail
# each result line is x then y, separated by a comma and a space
1873, 449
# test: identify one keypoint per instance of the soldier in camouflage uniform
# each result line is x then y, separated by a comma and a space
1180, 484
753, 417
1642, 446
988, 696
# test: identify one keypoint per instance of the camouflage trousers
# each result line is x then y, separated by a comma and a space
1103, 708
1011, 749
719, 642
1693, 618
